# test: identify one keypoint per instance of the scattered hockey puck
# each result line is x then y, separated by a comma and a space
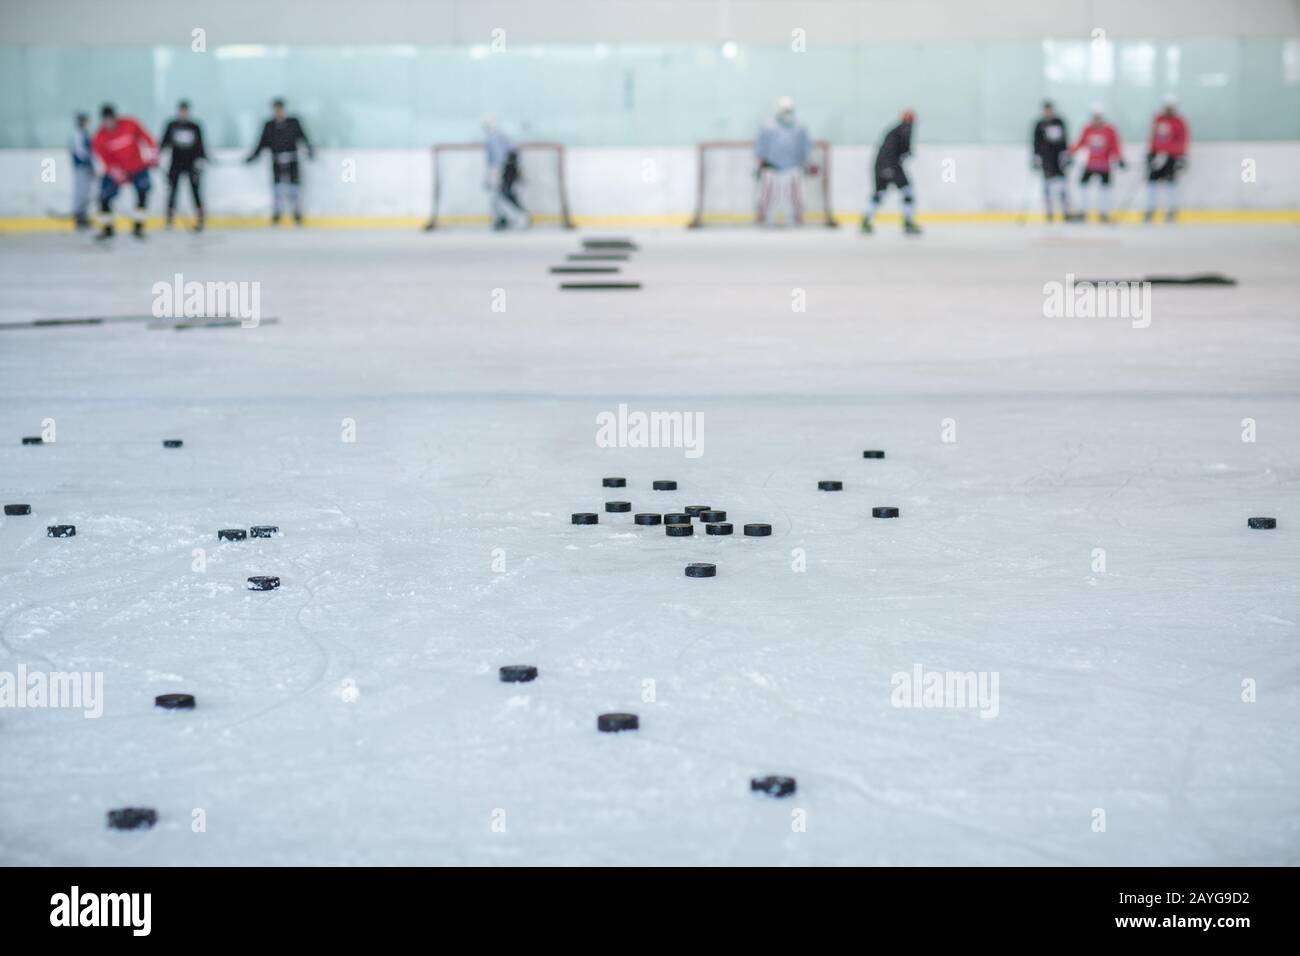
585, 517
758, 530
701, 570
263, 582
172, 443
174, 701
664, 485
618, 506
597, 257
583, 270
614, 482
264, 530
1261, 523
232, 534
517, 673
599, 285
613, 723
647, 517
773, 786
711, 515
677, 518
884, 512
613, 242
873, 454
694, 510
132, 818
830, 486
18, 509
61, 531
33, 440
679, 530
718, 527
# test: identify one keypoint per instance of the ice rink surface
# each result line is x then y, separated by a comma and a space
355, 716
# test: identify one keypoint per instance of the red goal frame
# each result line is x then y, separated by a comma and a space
701, 149
558, 148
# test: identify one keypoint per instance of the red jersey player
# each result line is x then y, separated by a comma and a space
126, 151
1101, 144
1165, 158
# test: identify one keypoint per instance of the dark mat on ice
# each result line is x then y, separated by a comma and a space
583, 270
610, 242
597, 257
600, 285
1196, 278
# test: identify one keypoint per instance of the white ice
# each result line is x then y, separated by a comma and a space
1119, 690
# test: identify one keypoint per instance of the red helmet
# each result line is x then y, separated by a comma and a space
908, 116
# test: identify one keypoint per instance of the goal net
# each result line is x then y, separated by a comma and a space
460, 174
727, 185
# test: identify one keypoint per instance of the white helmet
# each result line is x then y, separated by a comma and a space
1171, 100
489, 123
785, 104
1097, 109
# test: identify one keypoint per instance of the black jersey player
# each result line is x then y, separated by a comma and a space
1051, 148
281, 135
896, 146
184, 138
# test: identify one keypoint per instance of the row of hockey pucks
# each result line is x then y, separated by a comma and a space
596, 258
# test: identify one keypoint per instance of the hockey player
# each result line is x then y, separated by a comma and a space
782, 149
185, 139
1051, 148
126, 151
1166, 156
502, 173
896, 146
281, 135
83, 170
1101, 143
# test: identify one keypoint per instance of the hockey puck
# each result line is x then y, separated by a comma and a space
664, 485
873, 454
758, 530
585, 517
517, 673
61, 531
710, 515
232, 534
18, 509
679, 530
614, 482
264, 530
174, 701
677, 518
132, 818
172, 443
647, 517
569, 286
33, 440
263, 582
694, 510
773, 786
701, 570
613, 723
830, 486
718, 527
884, 512
618, 506
1261, 523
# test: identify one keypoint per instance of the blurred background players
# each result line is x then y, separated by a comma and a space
782, 149
281, 135
1051, 148
1166, 156
184, 138
502, 173
896, 146
1101, 144
83, 170
126, 151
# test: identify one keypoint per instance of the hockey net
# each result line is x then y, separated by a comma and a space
727, 185
460, 174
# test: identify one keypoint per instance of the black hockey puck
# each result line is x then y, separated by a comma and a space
664, 485
647, 518
585, 517
517, 673
232, 534
711, 515
618, 506
263, 582
758, 530
174, 701
830, 486
773, 786
33, 440
873, 454
61, 531
132, 818
679, 530
1261, 523
884, 512
569, 286
172, 443
18, 509
677, 518
718, 527
264, 530
614, 482
613, 723
701, 570
694, 510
